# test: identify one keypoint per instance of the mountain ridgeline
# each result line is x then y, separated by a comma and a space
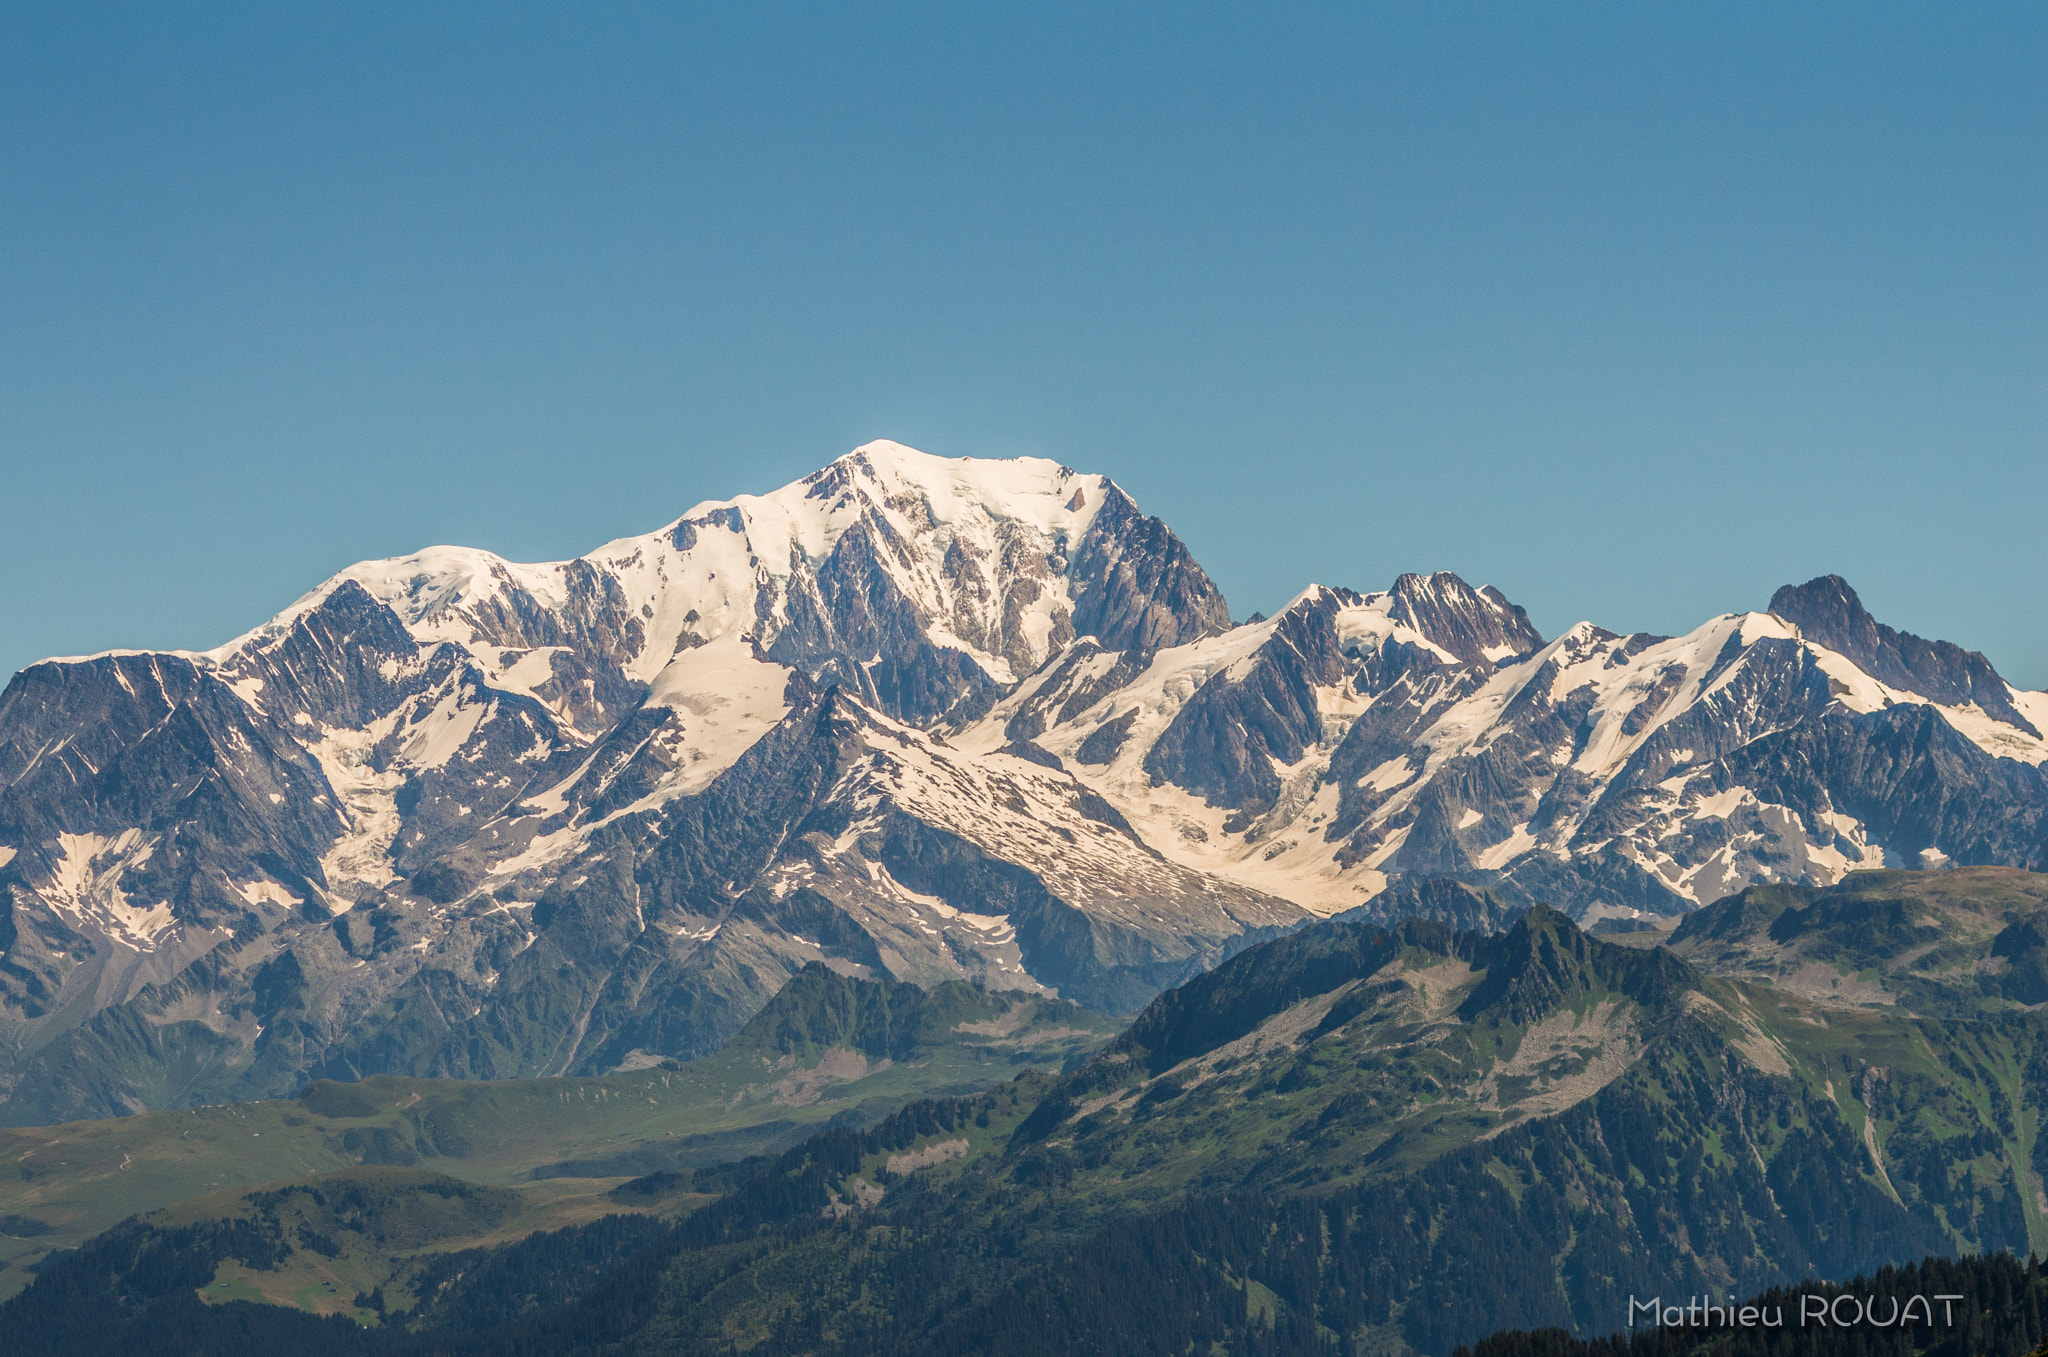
914, 718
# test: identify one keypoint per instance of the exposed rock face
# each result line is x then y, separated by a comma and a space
1136, 586
908, 717
1227, 743
1473, 624
1462, 908
1357, 740
1828, 612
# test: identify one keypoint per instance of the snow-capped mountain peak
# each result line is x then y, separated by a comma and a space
975, 569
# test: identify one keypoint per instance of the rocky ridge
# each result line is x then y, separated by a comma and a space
1334, 748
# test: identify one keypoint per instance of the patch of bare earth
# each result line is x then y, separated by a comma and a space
1439, 988
860, 1194
1755, 1045
1563, 1060
1818, 980
839, 1066
1003, 1026
937, 1153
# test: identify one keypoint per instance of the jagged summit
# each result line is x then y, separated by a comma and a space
923, 582
1828, 612
1473, 624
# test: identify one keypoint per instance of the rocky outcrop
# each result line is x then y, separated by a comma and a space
1827, 612
1473, 624
1136, 587
1225, 744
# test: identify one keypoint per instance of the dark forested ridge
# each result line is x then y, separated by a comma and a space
1355, 1139
2000, 1309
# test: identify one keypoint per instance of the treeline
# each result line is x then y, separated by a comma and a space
133, 1292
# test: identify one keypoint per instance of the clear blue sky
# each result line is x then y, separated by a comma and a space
1636, 311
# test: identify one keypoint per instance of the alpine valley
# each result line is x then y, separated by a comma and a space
912, 719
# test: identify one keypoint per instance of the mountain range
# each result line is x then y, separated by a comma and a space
913, 718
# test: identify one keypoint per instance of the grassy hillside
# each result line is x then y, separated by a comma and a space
827, 1048
352, 1242
1953, 943
1407, 1044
